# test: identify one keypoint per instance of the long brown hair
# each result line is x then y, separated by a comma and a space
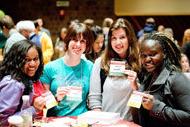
132, 52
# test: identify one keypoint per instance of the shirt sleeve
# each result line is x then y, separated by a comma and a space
10, 95
95, 95
179, 110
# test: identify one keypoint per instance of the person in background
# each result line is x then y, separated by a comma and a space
170, 34
70, 73
2, 36
112, 93
186, 43
105, 27
60, 45
166, 97
98, 45
185, 63
161, 28
186, 37
40, 22
7, 26
24, 29
89, 22
149, 27
42, 40
21, 66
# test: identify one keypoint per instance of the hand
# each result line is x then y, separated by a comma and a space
61, 92
39, 103
148, 101
132, 76
97, 109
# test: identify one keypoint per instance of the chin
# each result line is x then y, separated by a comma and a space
30, 75
151, 70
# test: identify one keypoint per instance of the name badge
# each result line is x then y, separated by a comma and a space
117, 68
50, 100
135, 99
74, 93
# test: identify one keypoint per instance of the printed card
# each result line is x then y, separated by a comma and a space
135, 99
117, 68
50, 100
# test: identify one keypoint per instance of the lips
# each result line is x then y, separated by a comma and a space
149, 67
77, 51
118, 47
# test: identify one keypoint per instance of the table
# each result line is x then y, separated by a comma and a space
68, 121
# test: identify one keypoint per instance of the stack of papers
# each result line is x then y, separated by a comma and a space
98, 117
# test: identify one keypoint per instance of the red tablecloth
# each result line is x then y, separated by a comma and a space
120, 123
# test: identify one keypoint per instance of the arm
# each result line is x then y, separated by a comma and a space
180, 112
95, 95
132, 77
10, 95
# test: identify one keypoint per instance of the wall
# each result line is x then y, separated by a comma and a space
82, 9
46, 9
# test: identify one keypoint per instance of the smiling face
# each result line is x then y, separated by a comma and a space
32, 62
152, 56
119, 42
77, 46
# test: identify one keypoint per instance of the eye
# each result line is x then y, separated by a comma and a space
28, 60
36, 59
113, 38
122, 37
83, 41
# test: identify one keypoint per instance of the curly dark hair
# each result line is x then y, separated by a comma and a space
14, 62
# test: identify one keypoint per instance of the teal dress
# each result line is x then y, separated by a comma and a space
57, 73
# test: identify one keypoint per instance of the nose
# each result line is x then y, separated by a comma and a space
147, 59
32, 63
100, 45
78, 43
118, 41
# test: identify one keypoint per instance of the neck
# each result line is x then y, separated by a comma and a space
71, 61
122, 56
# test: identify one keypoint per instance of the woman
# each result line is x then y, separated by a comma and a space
60, 45
98, 45
167, 99
113, 94
70, 74
185, 63
21, 66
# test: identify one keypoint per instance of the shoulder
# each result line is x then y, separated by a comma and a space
54, 65
87, 62
8, 82
98, 60
56, 62
179, 82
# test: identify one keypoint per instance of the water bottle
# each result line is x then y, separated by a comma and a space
15, 121
26, 114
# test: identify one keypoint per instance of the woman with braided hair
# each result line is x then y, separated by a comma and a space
166, 97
